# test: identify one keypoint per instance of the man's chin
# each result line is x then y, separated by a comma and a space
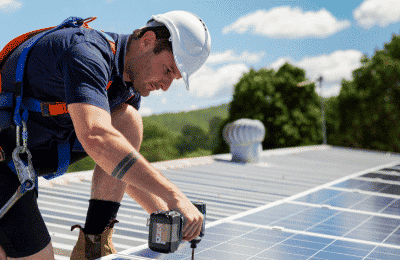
143, 92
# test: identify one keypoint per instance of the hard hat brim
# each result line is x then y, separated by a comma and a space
186, 80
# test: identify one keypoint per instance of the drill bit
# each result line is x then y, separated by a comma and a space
193, 245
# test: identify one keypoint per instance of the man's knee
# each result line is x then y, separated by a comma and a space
128, 121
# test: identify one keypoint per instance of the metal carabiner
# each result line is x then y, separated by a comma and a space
17, 195
25, 137
26, 176
18, 135
26, 173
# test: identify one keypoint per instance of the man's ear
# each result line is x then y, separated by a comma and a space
148, 40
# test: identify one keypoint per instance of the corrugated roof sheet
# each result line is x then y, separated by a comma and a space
227, 188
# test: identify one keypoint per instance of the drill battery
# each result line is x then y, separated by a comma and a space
166, 228
165, 231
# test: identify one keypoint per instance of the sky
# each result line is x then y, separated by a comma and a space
325, 38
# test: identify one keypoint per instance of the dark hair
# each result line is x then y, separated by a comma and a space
162, 35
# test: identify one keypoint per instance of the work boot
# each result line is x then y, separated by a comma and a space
89, 247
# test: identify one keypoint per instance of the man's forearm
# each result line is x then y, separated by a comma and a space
146, 177
108, 148
118, 157
149, 202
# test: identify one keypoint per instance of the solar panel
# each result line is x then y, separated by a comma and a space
357, 217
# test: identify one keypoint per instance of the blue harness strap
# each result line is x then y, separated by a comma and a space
35, 105
64, 156
6, 101
70, 22
31, 104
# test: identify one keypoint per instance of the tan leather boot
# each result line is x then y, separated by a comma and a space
89, 247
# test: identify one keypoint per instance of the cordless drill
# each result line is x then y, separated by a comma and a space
166, 228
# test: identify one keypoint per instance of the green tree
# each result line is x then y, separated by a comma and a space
332, 118
193, 137
214, 126
369, 104
158, 142
290, 114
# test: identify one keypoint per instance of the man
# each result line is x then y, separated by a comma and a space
74, 65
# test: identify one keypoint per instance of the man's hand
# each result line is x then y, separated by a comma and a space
193, 219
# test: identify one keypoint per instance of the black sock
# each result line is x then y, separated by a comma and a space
100, 214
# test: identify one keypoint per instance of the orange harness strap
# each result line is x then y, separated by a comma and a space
58, 108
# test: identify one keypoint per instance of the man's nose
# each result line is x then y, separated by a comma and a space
165, 87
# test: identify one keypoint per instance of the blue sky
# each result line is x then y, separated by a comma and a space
325, 38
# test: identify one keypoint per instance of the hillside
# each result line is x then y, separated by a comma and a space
175, 123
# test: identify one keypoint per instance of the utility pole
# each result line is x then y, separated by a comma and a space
320, 79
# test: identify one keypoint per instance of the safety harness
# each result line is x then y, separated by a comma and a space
15, 101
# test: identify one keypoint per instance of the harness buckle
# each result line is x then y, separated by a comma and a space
53, 108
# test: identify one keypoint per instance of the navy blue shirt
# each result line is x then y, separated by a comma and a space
72, 65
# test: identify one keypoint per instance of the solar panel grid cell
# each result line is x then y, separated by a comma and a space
382, 176
330, 223
262, 243
370, 186
351, 200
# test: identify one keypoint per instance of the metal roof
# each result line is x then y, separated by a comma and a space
227, 188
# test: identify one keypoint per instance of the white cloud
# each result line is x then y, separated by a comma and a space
229, 55
332, 67
208, 82
145, 111
8, 6
377, 12
287, 22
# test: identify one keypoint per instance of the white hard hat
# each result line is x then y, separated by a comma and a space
191, 40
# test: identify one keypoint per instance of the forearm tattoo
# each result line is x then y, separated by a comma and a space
125, 165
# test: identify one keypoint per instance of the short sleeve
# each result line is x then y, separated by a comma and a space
86, 71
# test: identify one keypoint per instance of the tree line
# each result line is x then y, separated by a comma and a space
364, 115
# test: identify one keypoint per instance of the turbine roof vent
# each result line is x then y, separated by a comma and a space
244, 137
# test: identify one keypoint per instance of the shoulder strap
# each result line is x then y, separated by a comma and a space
69, 22
46, 108
14, 43
110, 41
108, 37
